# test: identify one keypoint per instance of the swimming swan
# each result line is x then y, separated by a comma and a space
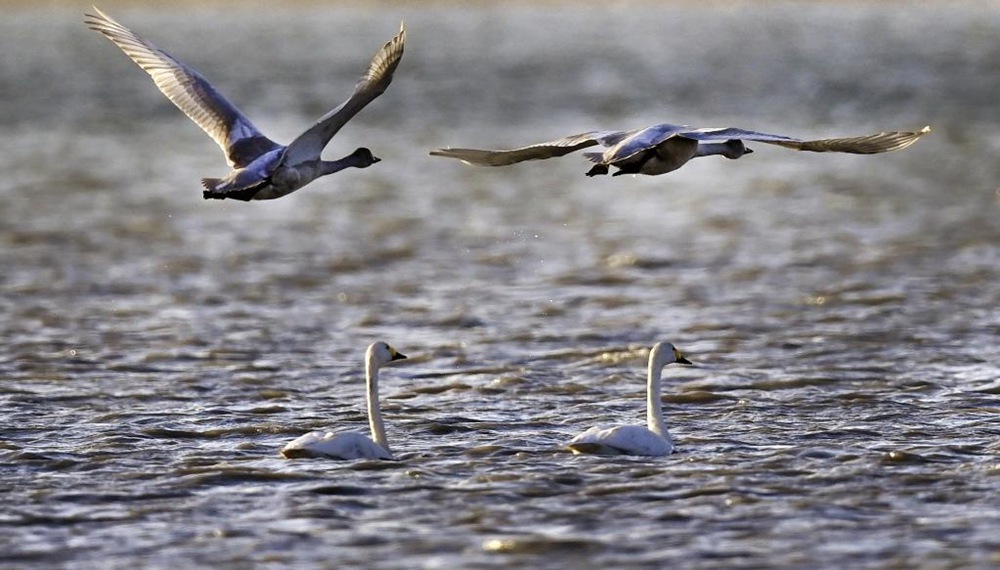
664, 148
353, 445
652, 440
261, 168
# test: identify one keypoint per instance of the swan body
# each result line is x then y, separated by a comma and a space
344, 445
353, 444
653, 439
664, 148
261, 169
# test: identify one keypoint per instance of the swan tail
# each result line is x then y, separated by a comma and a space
600, 167
211, 184
219, 189
298, 453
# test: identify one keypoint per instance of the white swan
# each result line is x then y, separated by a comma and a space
353, 445
652, 440
261, 168
664, 148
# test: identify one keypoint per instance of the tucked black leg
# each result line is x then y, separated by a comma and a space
244, 195
598, 169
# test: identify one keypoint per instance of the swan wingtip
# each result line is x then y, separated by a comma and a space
97, 15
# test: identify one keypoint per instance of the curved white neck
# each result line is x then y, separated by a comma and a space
654, 408
371, 398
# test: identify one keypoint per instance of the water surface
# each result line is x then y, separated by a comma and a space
159, 349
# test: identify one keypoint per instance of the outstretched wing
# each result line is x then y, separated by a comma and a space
190, 92
310, 144
868, 144
540, 151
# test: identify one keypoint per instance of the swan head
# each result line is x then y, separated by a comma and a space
383, 353
664, 353
363, 158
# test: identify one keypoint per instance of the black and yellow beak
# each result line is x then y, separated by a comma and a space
678, 357
397, 355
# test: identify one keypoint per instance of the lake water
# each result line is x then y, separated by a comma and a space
159, 349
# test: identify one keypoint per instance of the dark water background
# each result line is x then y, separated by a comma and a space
158, 349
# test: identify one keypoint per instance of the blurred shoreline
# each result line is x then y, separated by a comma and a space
43, 4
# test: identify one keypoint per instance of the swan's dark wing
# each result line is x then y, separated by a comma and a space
540, 151
868, 144
310, 144
228, 127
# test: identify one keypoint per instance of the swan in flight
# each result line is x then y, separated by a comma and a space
651, 440
353, 445
261, 169
664, 148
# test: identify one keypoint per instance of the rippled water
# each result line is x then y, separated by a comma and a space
158, 349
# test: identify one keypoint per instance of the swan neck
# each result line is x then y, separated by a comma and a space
730, 149
332, 166
371, 398
654, 408
708, 149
